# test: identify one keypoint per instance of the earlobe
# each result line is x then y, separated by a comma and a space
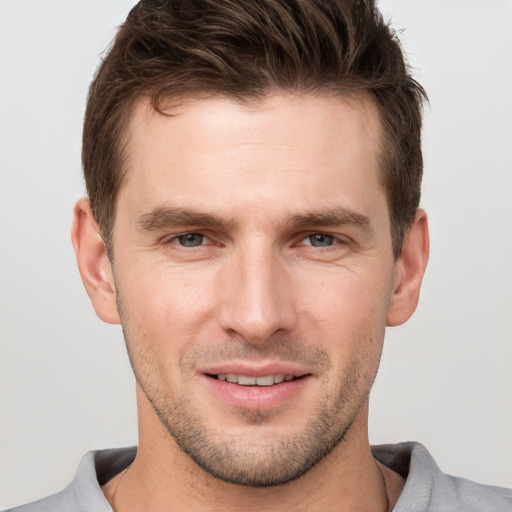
409, 271
93, 263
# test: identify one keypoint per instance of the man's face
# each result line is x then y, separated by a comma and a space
254, 271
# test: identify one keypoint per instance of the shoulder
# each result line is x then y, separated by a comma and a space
466, 496
59, 502
428, 489
84, 492
474, 496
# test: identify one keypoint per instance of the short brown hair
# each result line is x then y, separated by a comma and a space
245, 49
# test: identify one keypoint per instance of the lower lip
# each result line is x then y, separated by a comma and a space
258, 398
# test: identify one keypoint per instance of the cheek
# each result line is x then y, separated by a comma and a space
165, 308
342, 299
347, 314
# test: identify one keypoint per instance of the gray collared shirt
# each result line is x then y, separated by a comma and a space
427, 489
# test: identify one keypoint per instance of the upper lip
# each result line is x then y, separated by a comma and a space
252, 369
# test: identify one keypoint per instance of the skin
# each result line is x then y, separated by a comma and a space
290, 264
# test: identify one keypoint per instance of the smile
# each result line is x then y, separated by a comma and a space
259, 389
246, 380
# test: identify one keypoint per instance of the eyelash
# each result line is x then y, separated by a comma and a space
335, 240
320, 236
174, 240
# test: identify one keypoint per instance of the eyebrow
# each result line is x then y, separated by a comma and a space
164, 217
337, 216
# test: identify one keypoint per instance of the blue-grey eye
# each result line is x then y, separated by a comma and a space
191, 239
321, 240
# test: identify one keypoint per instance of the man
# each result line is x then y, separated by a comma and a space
253, 171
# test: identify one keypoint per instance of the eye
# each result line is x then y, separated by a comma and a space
190, 239
319, 240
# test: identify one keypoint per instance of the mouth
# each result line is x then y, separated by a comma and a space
257, 389
261, 381
262, 386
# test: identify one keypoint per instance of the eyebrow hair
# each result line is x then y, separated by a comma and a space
163, 217
337, 216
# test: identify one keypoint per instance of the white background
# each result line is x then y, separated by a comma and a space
446, 378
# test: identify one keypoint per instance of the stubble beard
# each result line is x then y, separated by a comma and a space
274, 460
277, 461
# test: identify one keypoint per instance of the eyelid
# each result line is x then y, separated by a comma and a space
208, 239
339, 239
173, 239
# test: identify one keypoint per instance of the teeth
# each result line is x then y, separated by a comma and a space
264, 381
245, 380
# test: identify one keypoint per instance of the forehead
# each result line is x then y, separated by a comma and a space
284, 146
348, 118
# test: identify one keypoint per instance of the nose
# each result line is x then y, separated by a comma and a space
256, 297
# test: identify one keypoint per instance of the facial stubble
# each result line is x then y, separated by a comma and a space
239, 460
276, 458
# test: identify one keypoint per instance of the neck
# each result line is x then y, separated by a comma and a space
163, 478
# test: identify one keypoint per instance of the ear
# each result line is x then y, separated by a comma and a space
409, 270
93, 263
